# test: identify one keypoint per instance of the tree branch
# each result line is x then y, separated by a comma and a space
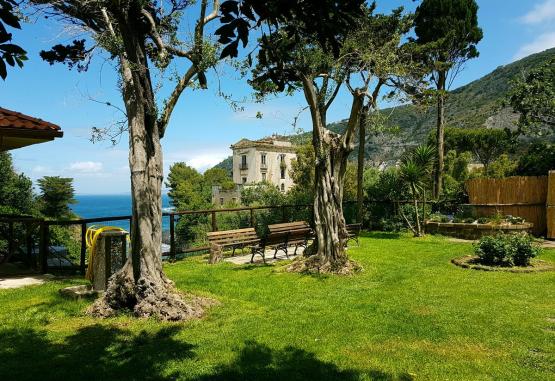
173, 98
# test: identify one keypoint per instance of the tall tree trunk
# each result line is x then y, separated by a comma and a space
418, 231
360, 169
440, 134
327, 254
141, 285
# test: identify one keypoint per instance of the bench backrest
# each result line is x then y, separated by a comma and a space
288, 232
354, 229
232, 237
288, 226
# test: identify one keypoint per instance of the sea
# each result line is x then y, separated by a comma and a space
94, 206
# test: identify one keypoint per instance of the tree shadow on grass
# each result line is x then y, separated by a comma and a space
95, 352
257, 361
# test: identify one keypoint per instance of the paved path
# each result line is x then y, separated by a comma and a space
22, 281
246, 259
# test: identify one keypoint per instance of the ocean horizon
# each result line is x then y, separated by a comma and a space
113, 205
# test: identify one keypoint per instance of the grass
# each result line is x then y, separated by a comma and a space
411, 315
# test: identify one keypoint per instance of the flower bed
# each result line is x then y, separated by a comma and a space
475, 230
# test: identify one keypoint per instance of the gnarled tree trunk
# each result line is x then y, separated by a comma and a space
327, 254
141, 285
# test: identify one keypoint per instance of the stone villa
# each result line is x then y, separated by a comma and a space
255, 161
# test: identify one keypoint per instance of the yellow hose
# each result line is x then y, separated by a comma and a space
91, 237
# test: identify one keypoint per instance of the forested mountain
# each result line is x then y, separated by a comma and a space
477, 104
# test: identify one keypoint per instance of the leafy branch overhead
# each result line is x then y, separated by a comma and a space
10, 53
330, 19
158, 42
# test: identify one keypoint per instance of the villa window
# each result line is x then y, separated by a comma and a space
263, 159
244, 180
282, 172
244, 162
221, 201
264, 177
283, 187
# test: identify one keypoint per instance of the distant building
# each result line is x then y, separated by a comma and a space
255, 161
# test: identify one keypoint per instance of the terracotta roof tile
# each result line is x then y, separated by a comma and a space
12, 119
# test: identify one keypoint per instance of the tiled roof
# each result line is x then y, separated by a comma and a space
11, 119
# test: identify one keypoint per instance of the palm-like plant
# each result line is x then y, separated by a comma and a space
425, 156
415, 171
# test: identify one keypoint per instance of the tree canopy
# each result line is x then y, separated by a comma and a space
533, 97
10, 53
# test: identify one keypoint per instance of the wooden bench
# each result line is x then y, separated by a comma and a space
234, 239
281, 236
353, 231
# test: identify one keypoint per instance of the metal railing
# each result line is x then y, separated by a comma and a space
42, 231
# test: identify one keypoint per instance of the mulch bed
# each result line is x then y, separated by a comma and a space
472, 262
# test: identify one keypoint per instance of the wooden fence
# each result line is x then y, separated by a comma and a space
523, 196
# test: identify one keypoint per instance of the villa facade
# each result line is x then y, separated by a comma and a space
256, 161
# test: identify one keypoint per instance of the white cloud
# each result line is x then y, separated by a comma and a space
41, 169
541, 12
200, 161
542, 42
86, 167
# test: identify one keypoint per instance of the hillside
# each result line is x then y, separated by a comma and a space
473, 105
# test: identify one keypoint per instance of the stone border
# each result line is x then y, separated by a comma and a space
536, 265
474, 230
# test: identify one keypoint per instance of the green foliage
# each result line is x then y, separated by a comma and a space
57, 194
507, 249
485, 144
537, 161
10, 54
302, 174
190, 190
502, 167
264, 194
533, 97
219, 177
16, 190
68, 237
449, 29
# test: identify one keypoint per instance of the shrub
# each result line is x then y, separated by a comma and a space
507, 249
491, 250
524, 248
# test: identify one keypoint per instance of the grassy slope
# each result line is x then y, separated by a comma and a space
409, 315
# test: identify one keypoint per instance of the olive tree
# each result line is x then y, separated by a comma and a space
295, 53
141, 37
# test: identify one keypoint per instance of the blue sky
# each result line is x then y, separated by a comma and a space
203, 125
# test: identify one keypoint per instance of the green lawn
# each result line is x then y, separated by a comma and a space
411, 315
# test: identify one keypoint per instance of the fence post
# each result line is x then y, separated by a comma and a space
550, 207
10, 239
83, 248
252, 218
214, 224
29, 244
283, 219
172, 237
43, 251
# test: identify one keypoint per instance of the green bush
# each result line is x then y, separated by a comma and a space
507, 249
